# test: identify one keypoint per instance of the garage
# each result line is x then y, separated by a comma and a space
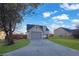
36, 35
37, 32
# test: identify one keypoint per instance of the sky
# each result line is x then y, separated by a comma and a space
52, 15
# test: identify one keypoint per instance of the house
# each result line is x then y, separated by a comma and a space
63, 32
37, 32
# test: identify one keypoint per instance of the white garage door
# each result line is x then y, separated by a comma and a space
36, 35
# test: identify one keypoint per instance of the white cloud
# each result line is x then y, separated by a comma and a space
75, 22
69, 26
55, 26
70, 6
60, 22
20, 30
73, 27
52, 27
47, 14
24, 26
61, 17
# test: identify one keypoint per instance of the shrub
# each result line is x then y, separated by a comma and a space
75, 33
19, 36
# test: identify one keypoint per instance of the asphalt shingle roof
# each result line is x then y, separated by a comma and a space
69, 30
29, 26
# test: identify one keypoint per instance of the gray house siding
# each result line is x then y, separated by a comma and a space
62, 32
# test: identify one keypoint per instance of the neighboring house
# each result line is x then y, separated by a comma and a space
37, 32
63, 32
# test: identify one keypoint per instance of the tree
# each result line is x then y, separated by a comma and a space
75, 33
10, 16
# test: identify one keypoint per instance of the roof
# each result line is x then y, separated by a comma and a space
29, 26
68, 30
47, 29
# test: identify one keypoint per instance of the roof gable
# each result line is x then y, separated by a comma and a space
66, 29
69, 30
47, 29
29, 26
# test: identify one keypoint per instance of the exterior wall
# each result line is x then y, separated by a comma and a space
28, 35
44, 30
68, 34
62, 32
33, 29
46, 33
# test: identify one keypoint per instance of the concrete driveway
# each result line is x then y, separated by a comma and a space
43, 48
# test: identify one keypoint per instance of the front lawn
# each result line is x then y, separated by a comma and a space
69, 42
18, 44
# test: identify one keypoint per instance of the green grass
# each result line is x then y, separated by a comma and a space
18, 44
68, 42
